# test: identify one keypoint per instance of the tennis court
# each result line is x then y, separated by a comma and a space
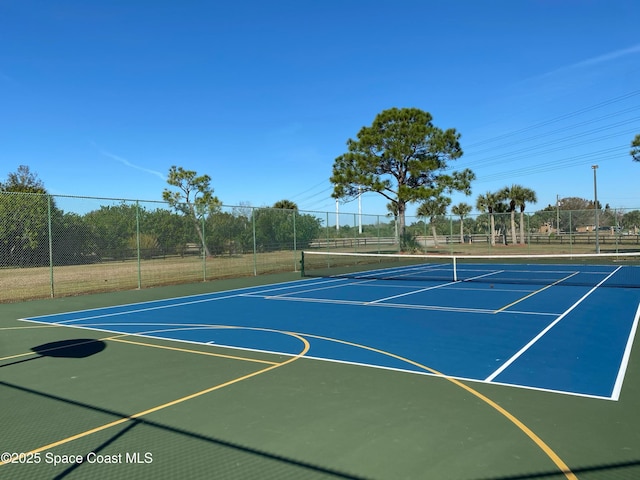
369, 367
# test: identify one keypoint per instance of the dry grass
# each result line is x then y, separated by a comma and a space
19, 284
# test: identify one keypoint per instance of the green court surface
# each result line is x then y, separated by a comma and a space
105, 406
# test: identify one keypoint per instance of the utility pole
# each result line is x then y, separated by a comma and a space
595, 199
558, 214
360, 210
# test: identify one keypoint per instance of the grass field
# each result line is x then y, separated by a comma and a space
18, 284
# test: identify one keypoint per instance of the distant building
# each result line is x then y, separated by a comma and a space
603, 229
548, 228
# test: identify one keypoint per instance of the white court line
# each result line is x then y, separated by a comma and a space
286, 296
482, 276
313, 300
395, 271
428, 288
389, 305
343, 283
406, 306
281, 285
236, 293
617, 388
390, 285
147, 336
520, 352
373, 302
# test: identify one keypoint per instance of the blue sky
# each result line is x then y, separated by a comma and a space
100, 98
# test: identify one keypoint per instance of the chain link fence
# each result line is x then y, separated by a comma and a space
542, 232
61, 245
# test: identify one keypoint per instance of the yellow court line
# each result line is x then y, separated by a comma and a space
23, 328
197, 352
560, 464
117, 339
60, 347
30, 326
563, 467
18, 355
535, 293
304, 351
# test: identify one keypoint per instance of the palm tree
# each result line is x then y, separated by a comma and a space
461, 210
486, 203
522, 196
518, 196
432, 208
510, 194
285, 205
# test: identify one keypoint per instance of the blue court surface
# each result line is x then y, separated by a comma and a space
571, 339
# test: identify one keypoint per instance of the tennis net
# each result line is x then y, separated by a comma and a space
603, 269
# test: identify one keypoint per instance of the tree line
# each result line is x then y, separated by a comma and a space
34, 231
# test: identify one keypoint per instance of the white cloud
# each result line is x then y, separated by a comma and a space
127, 163
607, 57
590, 62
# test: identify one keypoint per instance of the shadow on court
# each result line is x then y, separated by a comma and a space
611, 470
286, 467
236, 453
76, 348
73, 348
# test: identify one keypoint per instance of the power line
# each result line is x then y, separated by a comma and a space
308, 189
556, 119
496, 156
584, 159
570, 127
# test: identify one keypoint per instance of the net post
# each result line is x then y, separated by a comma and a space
455, 270
302, 264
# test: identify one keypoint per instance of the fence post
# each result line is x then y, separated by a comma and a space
204, 250
327, 229
528, 233
616, 232
570, 233
295, 243
138, 243
355, 234
451, 234
253, 227
425, 233
50, 246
